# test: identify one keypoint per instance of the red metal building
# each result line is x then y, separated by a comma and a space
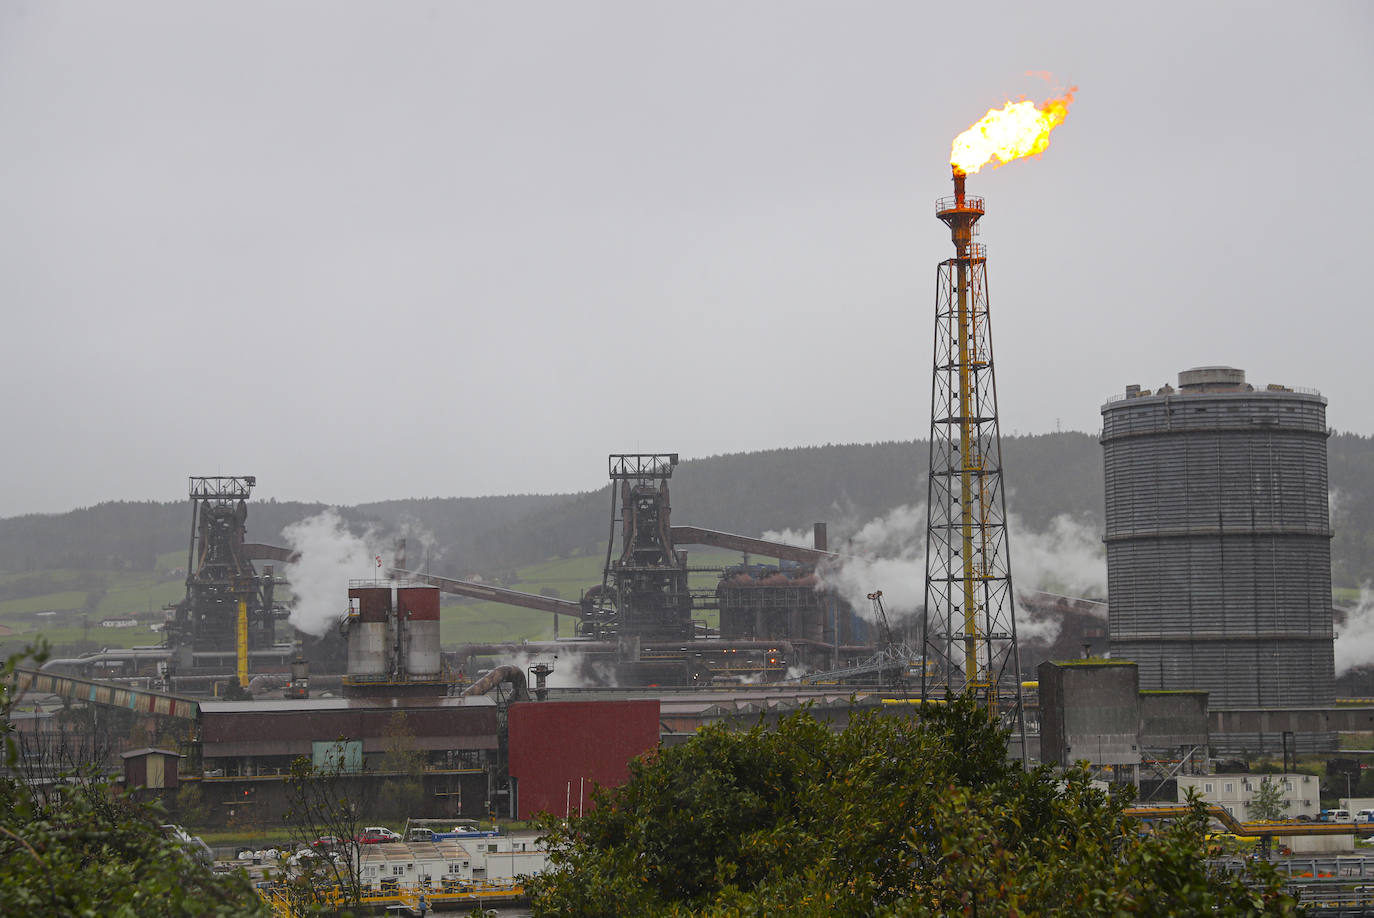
561, 750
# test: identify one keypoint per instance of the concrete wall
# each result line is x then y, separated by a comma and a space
1170, 720
1089, 710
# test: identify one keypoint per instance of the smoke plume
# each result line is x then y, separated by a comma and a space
330, 556
1067, 558
571, 669
800, 538
423, 550
889, 554
1355, 640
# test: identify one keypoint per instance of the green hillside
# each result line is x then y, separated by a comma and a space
60, 574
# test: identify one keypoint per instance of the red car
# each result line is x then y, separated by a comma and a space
374, 835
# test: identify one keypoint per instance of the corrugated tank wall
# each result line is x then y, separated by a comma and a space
1218, 543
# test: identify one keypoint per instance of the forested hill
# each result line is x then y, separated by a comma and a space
750, 493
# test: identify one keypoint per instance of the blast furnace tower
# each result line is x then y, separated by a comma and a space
227, 607
644, 592
1218, 543
969, 624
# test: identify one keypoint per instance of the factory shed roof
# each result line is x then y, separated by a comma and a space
149, 750
289, 728
406, 852
312, 705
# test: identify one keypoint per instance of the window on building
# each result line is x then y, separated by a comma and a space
1230, 787
1287, 785
1206, 788
398, 870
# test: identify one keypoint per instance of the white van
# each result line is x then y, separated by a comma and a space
1364, 816
1337, 815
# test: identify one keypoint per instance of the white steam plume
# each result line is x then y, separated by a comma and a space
330, 556
889, 554
1067, 558
1355, 640
423, 550
799, 538
571, 669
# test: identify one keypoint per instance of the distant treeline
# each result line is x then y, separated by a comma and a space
749, 493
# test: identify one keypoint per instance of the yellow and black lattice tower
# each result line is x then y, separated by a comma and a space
969, 629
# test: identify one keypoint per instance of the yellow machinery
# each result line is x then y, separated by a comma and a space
242, 643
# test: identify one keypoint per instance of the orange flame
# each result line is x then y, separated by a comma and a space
1015, 130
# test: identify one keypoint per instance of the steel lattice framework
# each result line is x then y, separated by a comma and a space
969, 627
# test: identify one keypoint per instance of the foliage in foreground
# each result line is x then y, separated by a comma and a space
892, 817
92, 850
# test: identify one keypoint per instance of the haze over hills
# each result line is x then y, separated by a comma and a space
847, 486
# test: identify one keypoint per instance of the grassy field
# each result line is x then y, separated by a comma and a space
66, 606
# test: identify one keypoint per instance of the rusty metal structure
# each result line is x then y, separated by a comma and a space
228, 607
644, 593
969, 631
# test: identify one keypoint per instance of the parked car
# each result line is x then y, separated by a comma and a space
326, 841
1364, 816
1336, 816
374, 835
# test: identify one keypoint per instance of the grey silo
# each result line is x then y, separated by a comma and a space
1218, 540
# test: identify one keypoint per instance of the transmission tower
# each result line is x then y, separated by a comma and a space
969, 627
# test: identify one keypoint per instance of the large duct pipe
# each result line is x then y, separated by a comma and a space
533, 647
105, 656
505, 673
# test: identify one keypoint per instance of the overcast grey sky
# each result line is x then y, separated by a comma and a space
374, 250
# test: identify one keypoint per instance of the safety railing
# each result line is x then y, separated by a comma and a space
949, 203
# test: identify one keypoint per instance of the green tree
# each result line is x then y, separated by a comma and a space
93, 850
1268, 804
326, 816
893, 816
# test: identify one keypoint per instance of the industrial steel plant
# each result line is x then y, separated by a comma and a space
1219, 613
